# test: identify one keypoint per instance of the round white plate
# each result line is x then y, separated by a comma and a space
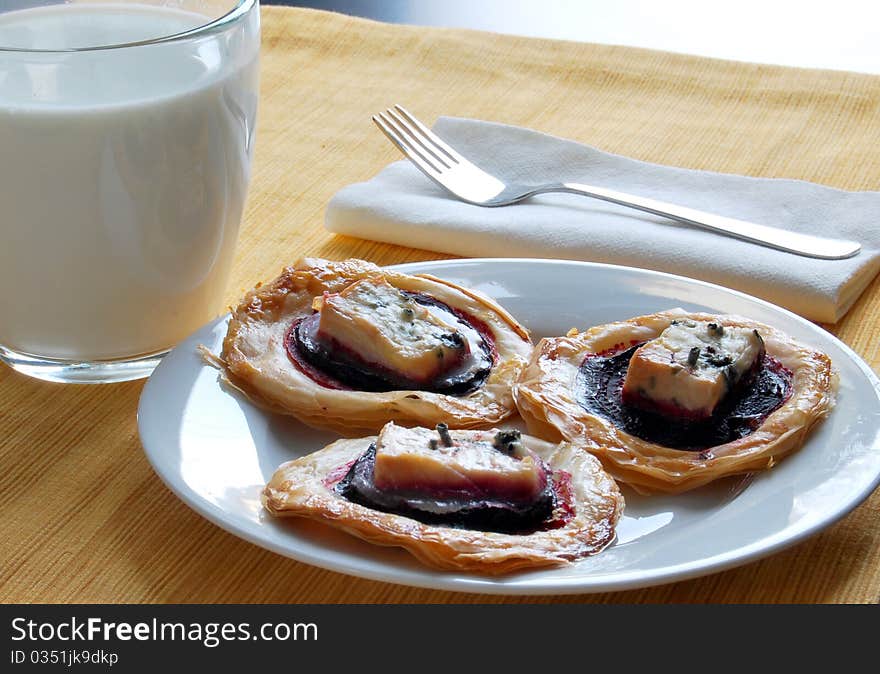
215, 450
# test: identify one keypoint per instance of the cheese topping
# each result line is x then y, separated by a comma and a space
691, 366
419, 460
385, 327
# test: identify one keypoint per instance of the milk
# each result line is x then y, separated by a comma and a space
123, 176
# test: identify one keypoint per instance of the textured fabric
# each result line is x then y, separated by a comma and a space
85, 519
400, 205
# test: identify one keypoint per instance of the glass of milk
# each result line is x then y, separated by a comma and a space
126, 137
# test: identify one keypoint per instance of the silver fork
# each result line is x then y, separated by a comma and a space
440, 162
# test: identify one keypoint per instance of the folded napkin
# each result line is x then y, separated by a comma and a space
402, 206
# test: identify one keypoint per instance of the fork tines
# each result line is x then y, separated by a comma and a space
416, 141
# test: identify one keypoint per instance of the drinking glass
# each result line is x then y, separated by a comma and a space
126, 138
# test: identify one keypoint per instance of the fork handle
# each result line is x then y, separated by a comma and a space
781, 239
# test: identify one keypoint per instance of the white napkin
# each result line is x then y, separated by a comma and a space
400, 205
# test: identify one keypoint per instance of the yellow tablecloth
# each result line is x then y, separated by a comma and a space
85, 519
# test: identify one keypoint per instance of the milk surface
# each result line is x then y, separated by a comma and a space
123, 175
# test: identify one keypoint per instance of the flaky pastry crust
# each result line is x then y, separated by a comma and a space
305, 488
546, 398
254, 357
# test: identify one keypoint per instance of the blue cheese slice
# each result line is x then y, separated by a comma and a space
443, 462
691, 366
384, 327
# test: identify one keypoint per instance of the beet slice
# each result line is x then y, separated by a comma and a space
599, 386
460, 511
335, 366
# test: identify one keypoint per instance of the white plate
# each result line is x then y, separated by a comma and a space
215, 450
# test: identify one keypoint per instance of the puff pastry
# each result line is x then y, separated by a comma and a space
588, 507
256, 356
548, 397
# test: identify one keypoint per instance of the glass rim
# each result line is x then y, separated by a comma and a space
241, 8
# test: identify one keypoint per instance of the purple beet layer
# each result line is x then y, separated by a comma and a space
335, 366
461, 511
599, 386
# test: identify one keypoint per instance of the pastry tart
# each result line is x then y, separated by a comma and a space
672, 401
348, 346
488, 501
